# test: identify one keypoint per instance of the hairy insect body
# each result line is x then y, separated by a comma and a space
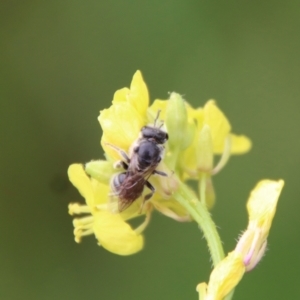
145, 155
148, 155
128, 187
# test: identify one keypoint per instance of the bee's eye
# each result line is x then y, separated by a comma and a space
167, 136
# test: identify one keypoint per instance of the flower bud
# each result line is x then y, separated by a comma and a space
225, 276
181, 132
205, 154
261, 209
101, 170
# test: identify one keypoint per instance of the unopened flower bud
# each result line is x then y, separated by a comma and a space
101, 170
205, 154
225, 276
261, 209
181, 132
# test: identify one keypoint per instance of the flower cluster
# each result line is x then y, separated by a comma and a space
196, 135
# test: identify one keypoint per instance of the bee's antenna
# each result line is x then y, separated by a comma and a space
158, 113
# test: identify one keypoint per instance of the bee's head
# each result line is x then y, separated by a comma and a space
154, 134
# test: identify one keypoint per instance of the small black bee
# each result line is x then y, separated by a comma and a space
145, 155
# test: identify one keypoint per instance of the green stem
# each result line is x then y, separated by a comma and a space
201, 215
202, 188
172, 159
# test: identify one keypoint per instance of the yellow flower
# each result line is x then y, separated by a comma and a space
195, 136
121, 124
225, 276
261, 208
213, 137
111, 230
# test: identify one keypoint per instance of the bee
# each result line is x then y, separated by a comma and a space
145, 155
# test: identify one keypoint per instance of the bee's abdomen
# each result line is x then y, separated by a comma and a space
128, 187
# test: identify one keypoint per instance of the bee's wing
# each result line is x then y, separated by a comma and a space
122, 205
132, 190
116, 205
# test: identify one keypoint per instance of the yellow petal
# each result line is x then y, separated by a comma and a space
262, 203
82, 182
240, 144
139, 96
93, 191
225, 276
101, 192
195, 114
218, 123
121, 125
133, 211
121, 95
115, 235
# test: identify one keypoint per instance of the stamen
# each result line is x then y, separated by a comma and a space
83, 222
77, 209
225, 156
83, 227
80, 233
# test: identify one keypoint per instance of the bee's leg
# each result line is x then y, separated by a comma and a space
150, 187
120, 151
121, 164
147, 196
159, 173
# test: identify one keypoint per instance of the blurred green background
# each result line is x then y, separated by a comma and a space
60, 63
